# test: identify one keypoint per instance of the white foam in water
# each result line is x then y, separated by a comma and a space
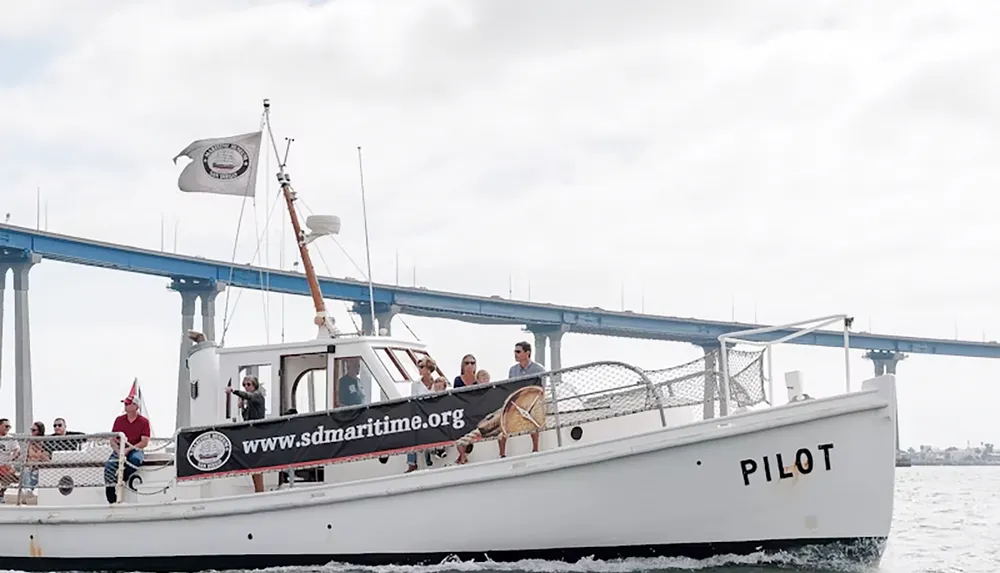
811, 559
804, 559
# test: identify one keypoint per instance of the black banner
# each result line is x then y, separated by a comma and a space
382, 428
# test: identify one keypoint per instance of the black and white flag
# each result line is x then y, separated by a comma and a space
223, 166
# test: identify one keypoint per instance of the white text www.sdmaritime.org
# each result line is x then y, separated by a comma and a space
370, 429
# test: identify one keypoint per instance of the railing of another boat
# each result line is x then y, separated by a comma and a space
798, 329
32, 463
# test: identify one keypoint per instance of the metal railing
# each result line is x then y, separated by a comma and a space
817, 323
32, 463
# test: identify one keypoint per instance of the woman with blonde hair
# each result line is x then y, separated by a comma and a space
468, 372
422, 385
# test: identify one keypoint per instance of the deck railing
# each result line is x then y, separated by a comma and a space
32, 463
726, 340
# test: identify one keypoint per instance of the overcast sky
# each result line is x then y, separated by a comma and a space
781, 160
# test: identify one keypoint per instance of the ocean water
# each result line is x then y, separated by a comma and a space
946, 519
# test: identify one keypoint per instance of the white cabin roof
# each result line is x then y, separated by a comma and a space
320, 344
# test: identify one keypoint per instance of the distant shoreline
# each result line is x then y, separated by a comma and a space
950, 464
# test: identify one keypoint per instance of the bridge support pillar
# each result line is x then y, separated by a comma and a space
385, 321
23, 403
191, 291
712, 376
555, 340
538, 352
4, 267
384, 313
885, 363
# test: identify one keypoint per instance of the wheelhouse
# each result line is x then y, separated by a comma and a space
307, 376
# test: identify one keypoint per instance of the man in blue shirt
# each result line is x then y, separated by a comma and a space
524, 366
349, 389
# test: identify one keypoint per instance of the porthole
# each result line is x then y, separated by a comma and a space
66, 485
249, 535
576, 433
383, 459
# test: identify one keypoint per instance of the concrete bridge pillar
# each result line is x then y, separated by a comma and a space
885, 363
538, 352
547, 335
4, 267
555, 340
384, 313
711, 379
191, 291
19, 263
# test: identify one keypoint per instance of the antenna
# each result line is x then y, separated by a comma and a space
38, 208
46, 215
281, 263
161, 232
177, 224
368, 255
397, 267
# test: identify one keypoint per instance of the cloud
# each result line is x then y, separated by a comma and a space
798, 158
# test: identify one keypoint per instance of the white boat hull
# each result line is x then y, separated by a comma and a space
670, 492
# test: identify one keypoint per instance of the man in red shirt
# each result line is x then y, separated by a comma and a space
135, 426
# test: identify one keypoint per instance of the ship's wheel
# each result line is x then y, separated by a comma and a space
523, 411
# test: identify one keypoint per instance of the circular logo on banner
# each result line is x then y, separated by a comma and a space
210, 451
225, 161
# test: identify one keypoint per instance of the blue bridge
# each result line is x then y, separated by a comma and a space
196, 278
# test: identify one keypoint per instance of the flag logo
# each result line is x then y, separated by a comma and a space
225, 161
223, 165
210, 451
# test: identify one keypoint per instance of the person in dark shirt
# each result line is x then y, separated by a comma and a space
468, 372
252, 407
349, 391
59, 429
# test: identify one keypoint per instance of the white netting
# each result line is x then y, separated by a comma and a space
63, 462
700, 381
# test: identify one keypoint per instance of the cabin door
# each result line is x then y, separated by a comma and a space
303, 383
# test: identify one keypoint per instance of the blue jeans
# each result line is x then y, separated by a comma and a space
134, 457
29, 478
411, 458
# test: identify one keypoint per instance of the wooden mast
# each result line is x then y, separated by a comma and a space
321, 320
300, 238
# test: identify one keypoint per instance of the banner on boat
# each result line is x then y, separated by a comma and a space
432, 420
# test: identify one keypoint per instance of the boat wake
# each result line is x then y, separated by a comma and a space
806, 559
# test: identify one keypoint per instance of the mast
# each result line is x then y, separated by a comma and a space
322, 319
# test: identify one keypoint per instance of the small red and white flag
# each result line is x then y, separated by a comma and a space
135, 395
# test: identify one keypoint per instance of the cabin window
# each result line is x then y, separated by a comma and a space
309, 391
354, 383
393, 365
408, 362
